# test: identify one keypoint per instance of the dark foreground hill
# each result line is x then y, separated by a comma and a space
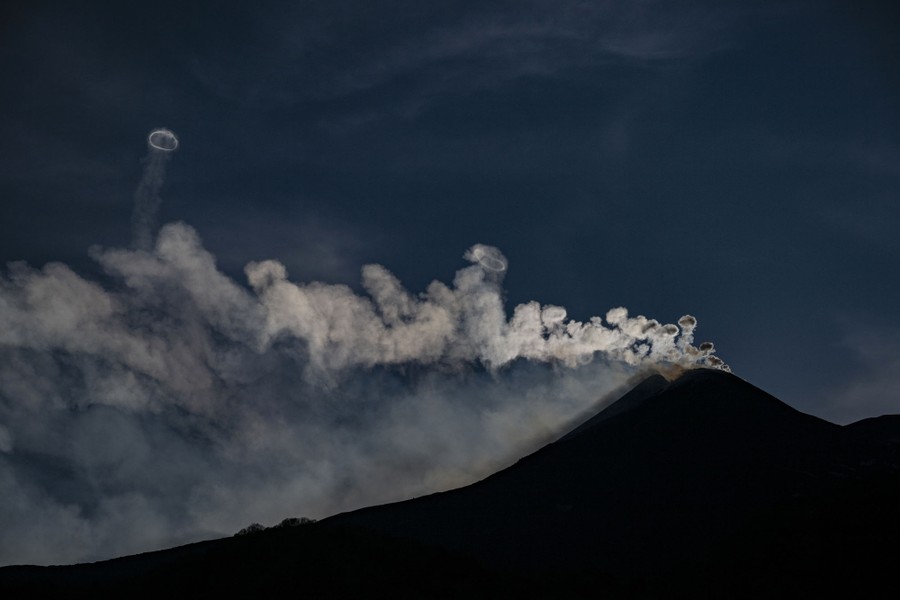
703, 486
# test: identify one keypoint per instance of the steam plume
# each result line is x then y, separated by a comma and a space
176, 404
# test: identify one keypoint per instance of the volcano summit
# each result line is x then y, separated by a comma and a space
702, 485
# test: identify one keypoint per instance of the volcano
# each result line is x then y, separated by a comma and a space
702, 485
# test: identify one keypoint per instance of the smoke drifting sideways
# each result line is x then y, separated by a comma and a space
161, 143
172, 403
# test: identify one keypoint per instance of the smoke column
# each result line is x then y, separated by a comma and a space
174, 404
170, 403
161, 143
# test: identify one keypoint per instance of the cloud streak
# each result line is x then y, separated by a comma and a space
168, 402
446, 49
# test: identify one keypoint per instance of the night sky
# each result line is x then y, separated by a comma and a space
739, 162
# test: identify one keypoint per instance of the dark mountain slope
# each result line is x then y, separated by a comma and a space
661, 483
306, 561
703, 486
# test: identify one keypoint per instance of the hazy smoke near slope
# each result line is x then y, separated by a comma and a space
175, 404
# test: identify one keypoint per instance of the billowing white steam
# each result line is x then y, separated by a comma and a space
462, 323
174, 403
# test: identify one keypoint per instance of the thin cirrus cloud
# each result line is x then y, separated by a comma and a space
426, 51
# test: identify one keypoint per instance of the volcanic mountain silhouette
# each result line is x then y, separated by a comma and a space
704, 485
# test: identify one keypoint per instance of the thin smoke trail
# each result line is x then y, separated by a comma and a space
160, 145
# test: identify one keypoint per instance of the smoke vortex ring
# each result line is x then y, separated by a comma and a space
488, 260
162, 139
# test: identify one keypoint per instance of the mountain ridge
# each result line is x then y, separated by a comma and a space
675, 488
618, 451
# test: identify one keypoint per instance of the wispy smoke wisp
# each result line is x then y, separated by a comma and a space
175, 403
160, 145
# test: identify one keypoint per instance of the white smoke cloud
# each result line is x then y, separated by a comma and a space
173, 403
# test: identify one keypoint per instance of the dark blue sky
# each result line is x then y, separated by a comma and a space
737, 162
